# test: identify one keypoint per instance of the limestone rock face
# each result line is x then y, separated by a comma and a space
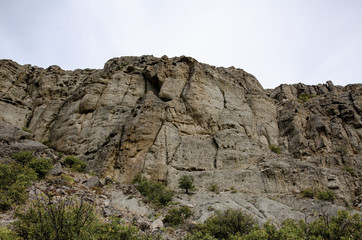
165, 117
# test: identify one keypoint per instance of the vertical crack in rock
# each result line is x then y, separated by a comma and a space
126, 92
154, 140
217, 151
169, 161
100, 95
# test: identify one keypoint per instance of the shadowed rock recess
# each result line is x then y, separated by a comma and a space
166, 117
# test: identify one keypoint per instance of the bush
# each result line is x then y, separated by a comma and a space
350, 170
275, 149
343, 226
75, 164
41, 166
68, 219
25, 129
7, 234
187, 183
23, 157
305, 97
47, 219
154, 192
342, 150
177, 216
214, 188
326, 195
233, 190
68, 180
308, 192
225, 224
115, 230
14, 180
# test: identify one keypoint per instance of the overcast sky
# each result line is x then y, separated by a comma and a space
278, 41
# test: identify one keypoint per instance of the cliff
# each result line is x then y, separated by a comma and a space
165, 117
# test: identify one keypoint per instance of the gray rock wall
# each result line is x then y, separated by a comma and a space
167, 117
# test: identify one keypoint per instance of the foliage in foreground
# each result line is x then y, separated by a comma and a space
14, 180
17, 176
66, 220
156, 193
235, 225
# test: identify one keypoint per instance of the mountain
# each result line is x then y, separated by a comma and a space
167, 117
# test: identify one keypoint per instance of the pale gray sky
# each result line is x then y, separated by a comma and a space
278, 41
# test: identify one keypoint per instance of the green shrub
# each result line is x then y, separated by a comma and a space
275, 149
233, 190
154, 192
47, 143
226, 224
350, 170
48, 219
342, 150
177, 216
23, 157
326, 195
214, 188
25, 129
68, 179
75, 164
187, 183
115, 230
41, 166
69, 219
308, 192
343, 226
305, 97
15, 178
7, 234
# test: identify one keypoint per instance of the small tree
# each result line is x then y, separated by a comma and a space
186, 182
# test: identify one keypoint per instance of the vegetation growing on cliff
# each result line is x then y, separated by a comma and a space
156, 193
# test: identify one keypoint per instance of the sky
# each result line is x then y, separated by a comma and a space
278, 41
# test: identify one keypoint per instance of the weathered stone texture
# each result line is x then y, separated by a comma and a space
164, 117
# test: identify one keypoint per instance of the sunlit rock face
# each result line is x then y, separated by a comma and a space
164, 117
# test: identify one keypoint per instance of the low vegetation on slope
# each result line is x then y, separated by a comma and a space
55, 217
236, 225
69, 219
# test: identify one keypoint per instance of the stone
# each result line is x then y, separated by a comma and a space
92, 182
57, 169
111, 211
156, 225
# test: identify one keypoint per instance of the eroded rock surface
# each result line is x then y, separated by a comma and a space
166, 117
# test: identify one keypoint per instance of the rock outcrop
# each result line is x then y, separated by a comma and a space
165, 118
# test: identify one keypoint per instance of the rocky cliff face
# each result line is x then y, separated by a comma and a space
167, 117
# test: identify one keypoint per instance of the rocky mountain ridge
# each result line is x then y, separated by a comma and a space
166, 117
